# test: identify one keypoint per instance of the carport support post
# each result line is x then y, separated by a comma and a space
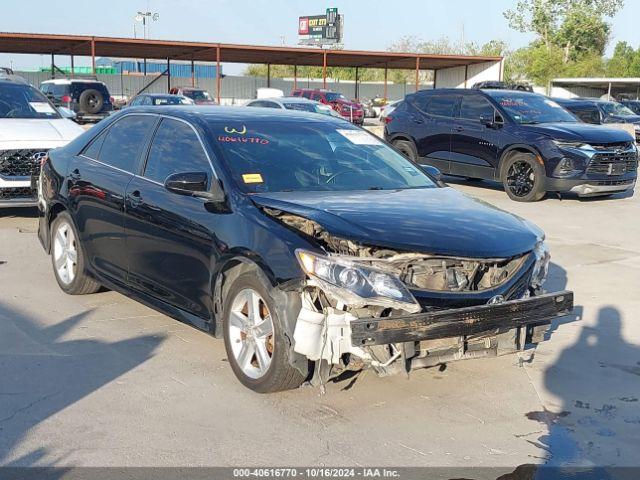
417, 73
168, 75
72, 67
193, 74
295, 77
218, 73
357, 96
268, 75
324, 70
93, 55
609, 92
385, 82
53, 67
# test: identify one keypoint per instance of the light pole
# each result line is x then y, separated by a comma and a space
142, 17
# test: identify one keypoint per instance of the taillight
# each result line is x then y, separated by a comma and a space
388, 119
66, 99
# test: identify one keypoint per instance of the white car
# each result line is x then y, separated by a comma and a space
29, 127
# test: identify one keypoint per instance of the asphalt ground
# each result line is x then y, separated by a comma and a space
101, 380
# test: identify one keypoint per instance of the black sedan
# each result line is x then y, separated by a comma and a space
309, 244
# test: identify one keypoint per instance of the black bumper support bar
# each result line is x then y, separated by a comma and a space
461, 321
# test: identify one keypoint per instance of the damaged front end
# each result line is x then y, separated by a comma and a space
366, 306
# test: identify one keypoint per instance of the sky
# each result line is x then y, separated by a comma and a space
369, 24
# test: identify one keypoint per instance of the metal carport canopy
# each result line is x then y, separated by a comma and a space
35, 43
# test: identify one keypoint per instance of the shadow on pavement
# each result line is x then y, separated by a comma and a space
497, 186
42, 373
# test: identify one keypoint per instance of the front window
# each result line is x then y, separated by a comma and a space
283, 156
24, 101
528, 109
617, 109
198, 95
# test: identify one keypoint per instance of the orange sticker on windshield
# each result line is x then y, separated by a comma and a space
252, 178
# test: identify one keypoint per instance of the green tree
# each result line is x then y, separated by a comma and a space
577, 27
619, 64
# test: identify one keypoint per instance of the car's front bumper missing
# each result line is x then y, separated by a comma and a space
461, 321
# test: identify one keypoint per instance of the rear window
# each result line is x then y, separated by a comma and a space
303, 107
78, 88
442, 105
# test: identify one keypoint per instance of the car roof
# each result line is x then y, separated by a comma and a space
207, 113
13, 79
286, 99
67, 81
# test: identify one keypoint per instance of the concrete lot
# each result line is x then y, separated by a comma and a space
100, 380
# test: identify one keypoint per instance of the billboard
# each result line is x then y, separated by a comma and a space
320, 29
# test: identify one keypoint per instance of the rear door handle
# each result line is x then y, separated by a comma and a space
134, 198
458, 128
416, 119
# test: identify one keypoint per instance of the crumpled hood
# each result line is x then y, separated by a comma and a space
582, 132
38, 130
431, 220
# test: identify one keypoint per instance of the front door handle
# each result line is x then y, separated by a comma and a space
134, 198
458, 128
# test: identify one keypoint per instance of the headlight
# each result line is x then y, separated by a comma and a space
541, 267
356, 284
566, 144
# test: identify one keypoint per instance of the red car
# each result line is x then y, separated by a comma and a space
200, 96
348, 109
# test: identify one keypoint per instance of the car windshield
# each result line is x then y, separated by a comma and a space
530, 108
332, 97
198, 95
283, 156
617, 109
24, 101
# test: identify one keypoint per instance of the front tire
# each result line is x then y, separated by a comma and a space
523, 178
254, 339
68, 259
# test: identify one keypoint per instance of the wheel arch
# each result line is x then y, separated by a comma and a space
513, 149
56, 209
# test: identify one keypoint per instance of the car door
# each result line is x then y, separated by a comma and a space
169, 245
98, 178
474, 145
431, 124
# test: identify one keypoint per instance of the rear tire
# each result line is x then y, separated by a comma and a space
407, 148
257, 349
68, 259
523, 178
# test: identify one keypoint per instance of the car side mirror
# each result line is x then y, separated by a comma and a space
487, 121
66, 113
432, 171
193, 184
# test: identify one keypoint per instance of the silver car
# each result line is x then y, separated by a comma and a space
294, 103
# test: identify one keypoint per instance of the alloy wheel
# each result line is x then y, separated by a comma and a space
521, 178
251, 333
65, 253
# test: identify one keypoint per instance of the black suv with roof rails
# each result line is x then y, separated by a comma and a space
525, 140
